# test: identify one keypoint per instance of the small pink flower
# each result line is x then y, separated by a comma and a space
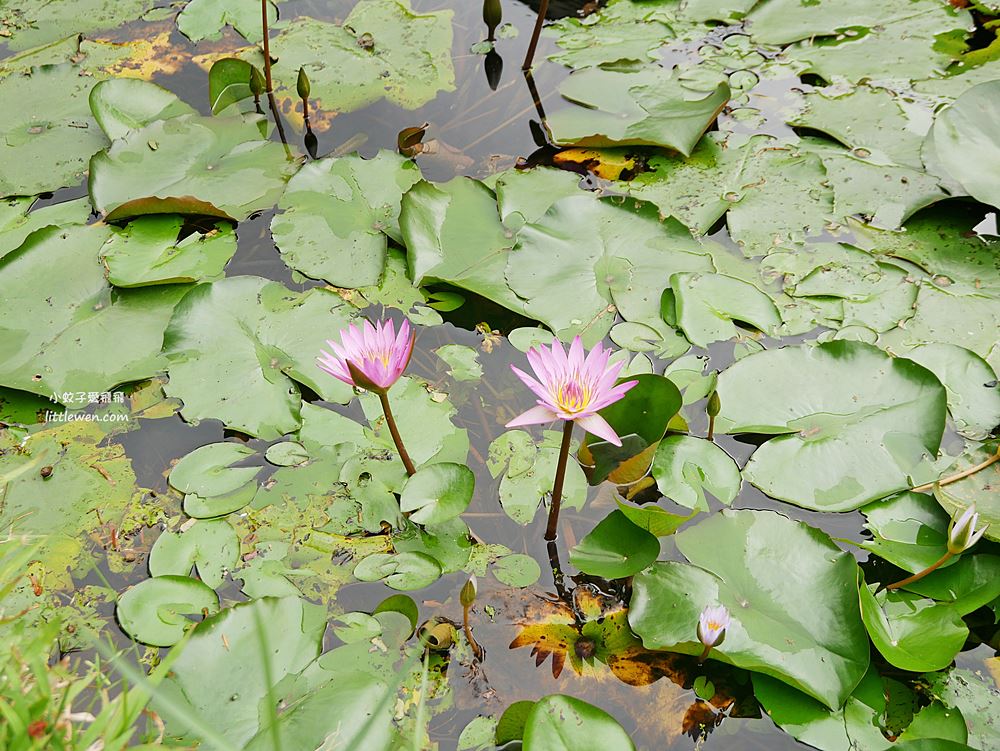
369, 357
572, 387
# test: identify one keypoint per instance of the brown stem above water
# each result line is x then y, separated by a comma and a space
557, 485
921, 574
543, 9
396, 438
476, 649
267, 45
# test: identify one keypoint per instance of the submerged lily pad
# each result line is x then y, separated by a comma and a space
384, 49
852, 422
804, 630
237, 347
337, 214
46, 146
649, 106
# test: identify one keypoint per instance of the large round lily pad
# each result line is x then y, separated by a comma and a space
155, 611
852, 422
804, 629
563, 723
437, 493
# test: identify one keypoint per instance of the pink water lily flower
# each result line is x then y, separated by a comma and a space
572, 387
370, 357
712, 625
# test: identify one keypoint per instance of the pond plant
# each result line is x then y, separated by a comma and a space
273, 470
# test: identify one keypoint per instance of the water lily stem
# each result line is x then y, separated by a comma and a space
704, 654
476, 649
543, 9
921, 574
557, 486
396, 438
711, 427
267, 45
959, 475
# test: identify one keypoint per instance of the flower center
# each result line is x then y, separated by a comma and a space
572, 396
713, 626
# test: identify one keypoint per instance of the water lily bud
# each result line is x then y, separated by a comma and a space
257, 83
437, 635
302, 84
712, 625
468, 593
492, 14
962, 533
714, 405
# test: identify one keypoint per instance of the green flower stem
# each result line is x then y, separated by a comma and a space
543, 10
396, 438
557, 486
711, 427
921, 574
704, 654
267, 46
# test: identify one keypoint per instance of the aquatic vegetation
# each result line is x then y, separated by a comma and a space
749, 246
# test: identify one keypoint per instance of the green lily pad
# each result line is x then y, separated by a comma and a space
912, 632
437, 493
150, 251
970, 583
966, 139
17, 220
852, 423
208, 470
384, 49
805, 630
247, 650
971, 384
684, 467
205, 19
707, 305
287, 454
648, 106
517, 570
155, 610
37, 22
974, 698
216, 166
615, 549
652, 518
405, 571
979, 488
213, 506
58, 310
212, 546
337, 214
123, 104
585, 259
228, 83
237, 347
909, 530
463, 361
619, 32
562, 723
46, 146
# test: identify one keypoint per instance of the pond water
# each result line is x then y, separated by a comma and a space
485, 126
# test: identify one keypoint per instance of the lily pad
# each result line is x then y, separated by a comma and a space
979, 488
208, 470
46, 146
912, 632
405, 571
150, 250
708, 304
966, 139
909, 530
684, 467
18, 220
63, 327
155, 610
463, 361
852, 423
212, 546
237, 347
437, 493
805, 630
205, 19
216, 166
562, 723
123, 104
287, 454
976, 699
384, 49
620, 32
337, 214
972, 582
37, 22
615, 549
971, 384
649, 106
517, 570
